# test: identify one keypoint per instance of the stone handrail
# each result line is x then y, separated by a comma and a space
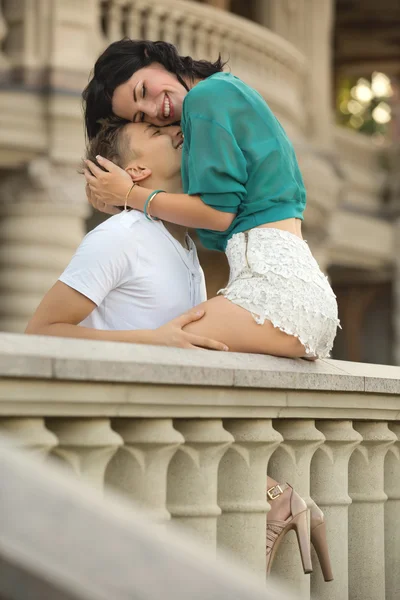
263, 59
189, 435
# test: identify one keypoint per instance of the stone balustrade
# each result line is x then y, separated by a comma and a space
360, 160
358, 236
108, 550
189, 436
261, 58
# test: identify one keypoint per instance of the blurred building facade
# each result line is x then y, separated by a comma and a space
294, 52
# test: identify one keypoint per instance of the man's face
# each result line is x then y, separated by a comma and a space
157, 148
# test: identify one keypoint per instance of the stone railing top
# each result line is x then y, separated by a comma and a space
38, 357
244, 29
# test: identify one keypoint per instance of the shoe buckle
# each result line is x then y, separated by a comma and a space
274, 492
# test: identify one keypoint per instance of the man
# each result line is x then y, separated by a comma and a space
131, 278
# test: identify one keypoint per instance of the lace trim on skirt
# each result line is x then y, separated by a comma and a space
274, 276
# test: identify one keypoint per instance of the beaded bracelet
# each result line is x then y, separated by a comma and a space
146, 208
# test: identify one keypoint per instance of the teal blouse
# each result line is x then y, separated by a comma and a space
237, 157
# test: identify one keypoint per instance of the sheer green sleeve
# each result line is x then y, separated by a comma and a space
216, 167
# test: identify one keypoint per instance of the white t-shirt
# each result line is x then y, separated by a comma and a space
136, 273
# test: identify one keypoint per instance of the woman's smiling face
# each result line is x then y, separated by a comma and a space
151, 95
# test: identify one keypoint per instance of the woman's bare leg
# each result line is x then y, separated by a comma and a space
233, 325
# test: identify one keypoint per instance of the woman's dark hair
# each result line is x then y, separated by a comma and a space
121, 60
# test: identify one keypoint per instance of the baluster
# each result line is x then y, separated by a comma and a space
97, 39
259, 59
366, 513
135, 20
232, 50
247, 62
154, 22
115, 20
139, 469
29, 434
291, 463
171, 27
240, 63
86, 446
225, 45
187, 29
214, 42
329, 489
392, 517
193, 477
241, 490
202, 41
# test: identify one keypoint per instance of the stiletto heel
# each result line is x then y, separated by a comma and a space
276, 530
300, 525
319, 541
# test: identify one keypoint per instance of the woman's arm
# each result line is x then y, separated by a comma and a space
110, 187
63, 308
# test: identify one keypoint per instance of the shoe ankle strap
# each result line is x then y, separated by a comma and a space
277, 490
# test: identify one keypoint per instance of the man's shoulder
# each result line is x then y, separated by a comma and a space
123, 221
118, 227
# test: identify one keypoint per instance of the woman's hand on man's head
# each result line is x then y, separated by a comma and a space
100, 206
106, 189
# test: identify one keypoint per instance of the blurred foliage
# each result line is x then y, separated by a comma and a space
363, 104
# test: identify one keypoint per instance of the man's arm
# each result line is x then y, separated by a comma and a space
63, 308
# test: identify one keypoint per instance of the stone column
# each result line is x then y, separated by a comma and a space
317, 46
396, 289
50, 49
308, 25
291, 463
29, 434
241, 490
51, 46
193, 477
42, 221
86, 446
329, 489
366, 513
392, 517
139, 470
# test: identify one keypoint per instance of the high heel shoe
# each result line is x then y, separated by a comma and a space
319, 541
276, 530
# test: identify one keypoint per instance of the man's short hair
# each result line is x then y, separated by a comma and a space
110, 142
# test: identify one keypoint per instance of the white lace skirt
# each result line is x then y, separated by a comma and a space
274, 276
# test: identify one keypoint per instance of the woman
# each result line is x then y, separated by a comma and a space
244, 194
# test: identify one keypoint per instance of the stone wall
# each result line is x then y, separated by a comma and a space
189, 436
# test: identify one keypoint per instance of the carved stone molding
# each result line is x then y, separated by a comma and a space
42, 182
